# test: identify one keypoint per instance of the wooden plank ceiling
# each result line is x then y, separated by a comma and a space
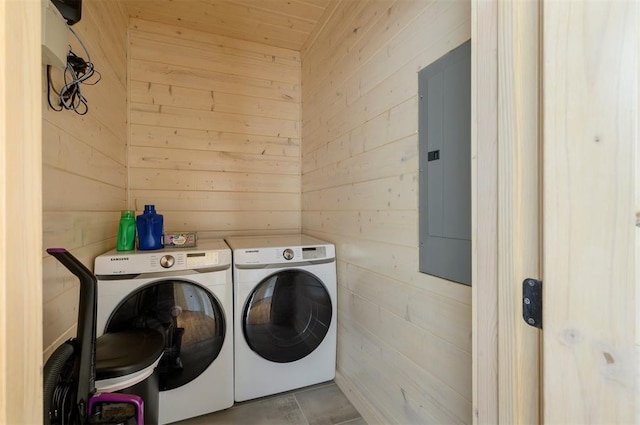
281, 23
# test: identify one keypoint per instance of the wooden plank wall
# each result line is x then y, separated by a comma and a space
215, 131
84, 166
404, 341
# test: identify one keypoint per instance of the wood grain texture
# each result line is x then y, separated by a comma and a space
280, 23
519, 240
84, 164
404, 338
591, 121
20, 214
637, 203
215, 130
211, 140
484, 158
218, 43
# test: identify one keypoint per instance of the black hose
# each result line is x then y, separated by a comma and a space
52, 371
84, 369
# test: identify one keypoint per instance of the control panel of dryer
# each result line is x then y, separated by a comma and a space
278, 255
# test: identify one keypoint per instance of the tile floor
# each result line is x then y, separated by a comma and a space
322, 404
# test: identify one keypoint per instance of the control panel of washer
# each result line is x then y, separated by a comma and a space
119, 263
304, 253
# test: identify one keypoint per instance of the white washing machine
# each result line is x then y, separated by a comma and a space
187, 295
285, 313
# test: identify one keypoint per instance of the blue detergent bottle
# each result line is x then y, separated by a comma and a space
150, 228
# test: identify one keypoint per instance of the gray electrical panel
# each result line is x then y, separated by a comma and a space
445, 166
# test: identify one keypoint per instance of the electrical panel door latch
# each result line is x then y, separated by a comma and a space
532, 302
433, 155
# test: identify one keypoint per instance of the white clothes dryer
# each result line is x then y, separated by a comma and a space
187, 295
285, 313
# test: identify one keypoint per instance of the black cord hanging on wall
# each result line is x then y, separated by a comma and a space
77, 72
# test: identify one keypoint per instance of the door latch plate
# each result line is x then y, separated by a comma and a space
532, 302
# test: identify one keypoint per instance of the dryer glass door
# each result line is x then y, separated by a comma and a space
190, 318
287, 316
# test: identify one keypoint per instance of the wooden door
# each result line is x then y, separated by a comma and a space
20, 213
587, 56
590, 196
